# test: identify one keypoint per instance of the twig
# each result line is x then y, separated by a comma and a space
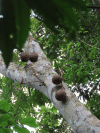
98, 7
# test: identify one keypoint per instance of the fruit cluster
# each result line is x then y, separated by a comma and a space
60, 95
33, 57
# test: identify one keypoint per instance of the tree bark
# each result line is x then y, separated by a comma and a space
39, 75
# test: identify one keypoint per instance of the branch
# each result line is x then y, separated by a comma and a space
74, 112
97, 7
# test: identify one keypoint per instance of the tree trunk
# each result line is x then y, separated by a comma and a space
39, 75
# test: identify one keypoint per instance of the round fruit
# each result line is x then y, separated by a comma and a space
60, 95
56, 79
24, 56
33, 57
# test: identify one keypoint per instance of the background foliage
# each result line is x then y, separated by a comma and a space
70, 39
15, 21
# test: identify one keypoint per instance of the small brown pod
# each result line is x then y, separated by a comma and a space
33, 57
24, 56
60, 95
56, 79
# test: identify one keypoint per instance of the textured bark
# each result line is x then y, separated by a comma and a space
39, 75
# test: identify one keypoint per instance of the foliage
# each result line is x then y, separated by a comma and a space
76, 60
50, 120
94, 105
21, 102
15, 21
6, 120
14, 26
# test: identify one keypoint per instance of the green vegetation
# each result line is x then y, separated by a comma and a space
70, 39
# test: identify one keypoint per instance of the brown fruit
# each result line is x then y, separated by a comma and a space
24, 56
56, 79
60, 95
33, 57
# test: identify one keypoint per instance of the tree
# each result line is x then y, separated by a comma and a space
17, 20
39, 75
41, 79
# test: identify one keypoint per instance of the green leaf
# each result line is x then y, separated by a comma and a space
55, 14
7, 31
4, 117
2, 111
91, 53
22, 13
10, 122
7, 130
68, 46
21, 130
78, 4
2, 130
42, 131
6, 120
4, 105
29, 121
4, 123
56, 124
14, 27
65, 8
